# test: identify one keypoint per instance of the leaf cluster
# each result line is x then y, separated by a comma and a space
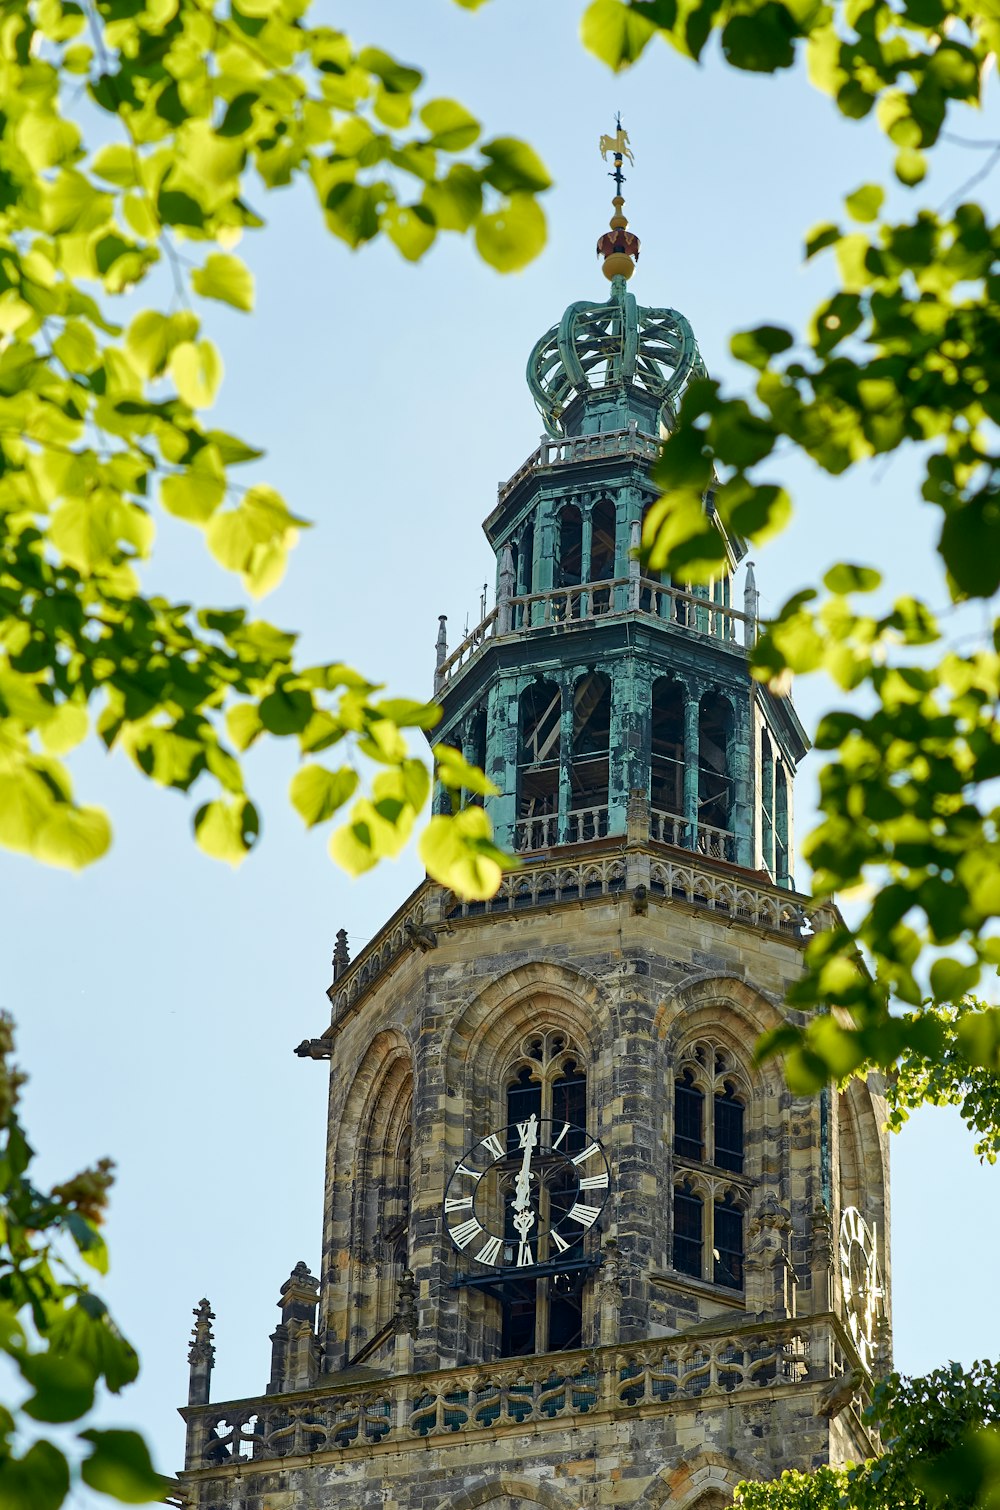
55, 1330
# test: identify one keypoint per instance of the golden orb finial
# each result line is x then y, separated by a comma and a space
618, 247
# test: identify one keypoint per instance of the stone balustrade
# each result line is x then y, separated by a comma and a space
741, 1357
576, 448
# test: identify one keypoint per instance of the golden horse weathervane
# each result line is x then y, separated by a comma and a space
617, 144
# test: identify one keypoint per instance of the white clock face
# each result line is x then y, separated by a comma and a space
859, 1282
526, 1194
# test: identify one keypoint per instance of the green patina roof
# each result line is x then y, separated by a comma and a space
616, 344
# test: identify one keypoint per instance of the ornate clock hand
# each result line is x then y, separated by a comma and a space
528, 1132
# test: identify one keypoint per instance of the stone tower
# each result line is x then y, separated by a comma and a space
578, 1248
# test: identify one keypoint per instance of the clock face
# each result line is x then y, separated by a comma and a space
526, 1194
859, 1282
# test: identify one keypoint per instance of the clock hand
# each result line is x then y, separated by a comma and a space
522, 1185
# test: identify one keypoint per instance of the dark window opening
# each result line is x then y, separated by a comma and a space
781, 873
715, 787
477, 751
591, 741
729, 1130
524, 1096
602, 553
667, 761
538, 766
767, 803
565, 1312
570, 567
728, 1255
689, 1117
569, 1101
688, 1216
519, 1319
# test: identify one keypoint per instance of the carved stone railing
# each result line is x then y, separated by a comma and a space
784, 912
586, 602
742, 1358
542, 831
576, 448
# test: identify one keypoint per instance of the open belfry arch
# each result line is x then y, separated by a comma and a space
578, 1247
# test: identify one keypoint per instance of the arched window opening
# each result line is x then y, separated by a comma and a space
729, 1110
689, 1117
589, 773
715, 784
767, 803
477, 751
570, 565
382, 1212
602, 552
688, 1224
781, 867
538, 767
544, 1315
651, 600
523, 553
727, 1253
666, 794
524, 1098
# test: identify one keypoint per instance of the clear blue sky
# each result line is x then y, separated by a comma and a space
160, 996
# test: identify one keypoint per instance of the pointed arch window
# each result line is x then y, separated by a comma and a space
589, 773
715, 782
603, 552
539, 727
728, 1130
550, 1080
689, 1222
689, 1117
727, 1250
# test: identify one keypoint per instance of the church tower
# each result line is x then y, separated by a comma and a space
578, 1248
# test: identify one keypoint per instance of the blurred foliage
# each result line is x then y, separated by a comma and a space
952, 1073
903, 356
940, 1437
55, 1332
137, 135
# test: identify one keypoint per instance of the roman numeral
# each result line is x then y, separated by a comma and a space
595, 1182
456, 1204
561, 1135
463, 1169
581, 1158
524, 1257
494, 1145
490, 1251
585, 1215
560, 1242
465, 1232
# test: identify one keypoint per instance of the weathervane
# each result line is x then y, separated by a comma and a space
619, 247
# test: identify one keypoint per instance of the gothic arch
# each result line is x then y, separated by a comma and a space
371, 1189
509, 1486
486, 1035
704, 998
699, 1481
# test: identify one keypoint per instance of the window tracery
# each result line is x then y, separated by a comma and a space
711, 1094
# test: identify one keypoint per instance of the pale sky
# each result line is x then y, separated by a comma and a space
159, 995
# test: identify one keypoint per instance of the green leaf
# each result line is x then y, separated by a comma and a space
756, 347
451, 126
512, 237
195, 494
411, 229
455, 772
37, 1481
116, 164
616, 33
865, 203
63, 1387
317, 793
846, 577
225, 278
227, 829
72, 837
286, 710
459, 853
196, 368
515, 168
978, 1036
120, 1466
761, 42
910, 166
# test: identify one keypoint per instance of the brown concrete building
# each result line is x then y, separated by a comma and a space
578, 1249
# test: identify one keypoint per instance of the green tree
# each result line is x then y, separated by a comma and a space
905, 355
940, 1437
55, 1331
194, 109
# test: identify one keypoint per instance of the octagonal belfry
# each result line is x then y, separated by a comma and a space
579, 1248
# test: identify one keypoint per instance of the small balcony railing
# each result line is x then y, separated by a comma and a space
577, 448
588, 601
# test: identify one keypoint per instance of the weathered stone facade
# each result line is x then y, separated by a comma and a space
385, 1391
702, 1327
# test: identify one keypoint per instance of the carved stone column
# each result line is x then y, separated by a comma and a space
406, 1322
201, 1357
294, 1352
770, 1278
